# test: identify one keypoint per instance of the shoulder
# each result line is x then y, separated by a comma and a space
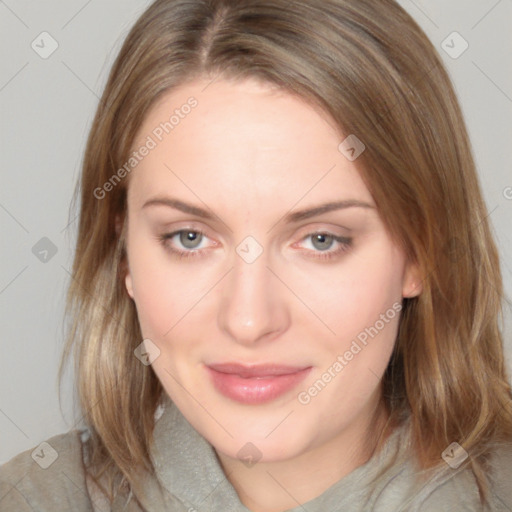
501, 476
459, 490
47, 477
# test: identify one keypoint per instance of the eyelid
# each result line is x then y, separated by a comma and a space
169, 235
344, 245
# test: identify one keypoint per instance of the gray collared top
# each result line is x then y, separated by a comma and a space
189, 478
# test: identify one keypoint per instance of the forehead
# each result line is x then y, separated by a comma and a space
240, 139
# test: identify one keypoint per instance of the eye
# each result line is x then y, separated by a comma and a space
186, 243
322, 242
189, 239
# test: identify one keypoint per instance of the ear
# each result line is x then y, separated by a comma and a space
412, 281
128, 283
119, 226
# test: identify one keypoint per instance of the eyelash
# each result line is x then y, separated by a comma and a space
345, 244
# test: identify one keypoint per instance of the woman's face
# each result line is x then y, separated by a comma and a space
272, 317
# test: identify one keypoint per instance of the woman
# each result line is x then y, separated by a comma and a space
285, 293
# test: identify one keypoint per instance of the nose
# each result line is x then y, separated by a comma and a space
253, 305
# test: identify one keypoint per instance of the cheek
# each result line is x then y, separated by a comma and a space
158, 293
352, 297
161, 303
362, 305
366, 324
169, 294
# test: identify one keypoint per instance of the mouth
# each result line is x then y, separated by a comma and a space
255, 384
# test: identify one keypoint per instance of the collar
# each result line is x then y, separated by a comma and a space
188, 469
187, 466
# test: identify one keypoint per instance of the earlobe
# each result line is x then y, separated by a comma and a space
412, 283
120, 226
128, 284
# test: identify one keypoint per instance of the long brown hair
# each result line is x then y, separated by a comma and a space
372, 69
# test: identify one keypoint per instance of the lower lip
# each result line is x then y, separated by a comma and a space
255, 390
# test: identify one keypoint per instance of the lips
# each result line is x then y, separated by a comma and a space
255, 371
255, 384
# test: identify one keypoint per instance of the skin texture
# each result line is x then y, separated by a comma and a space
251, 154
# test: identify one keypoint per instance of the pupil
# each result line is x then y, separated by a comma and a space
324, 240
189, 239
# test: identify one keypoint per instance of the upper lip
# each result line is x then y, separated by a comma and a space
256, 370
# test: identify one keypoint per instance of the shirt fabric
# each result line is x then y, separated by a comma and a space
189, 478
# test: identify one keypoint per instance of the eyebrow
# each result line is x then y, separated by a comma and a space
288, 218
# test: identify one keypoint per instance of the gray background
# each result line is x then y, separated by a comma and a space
47, 107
